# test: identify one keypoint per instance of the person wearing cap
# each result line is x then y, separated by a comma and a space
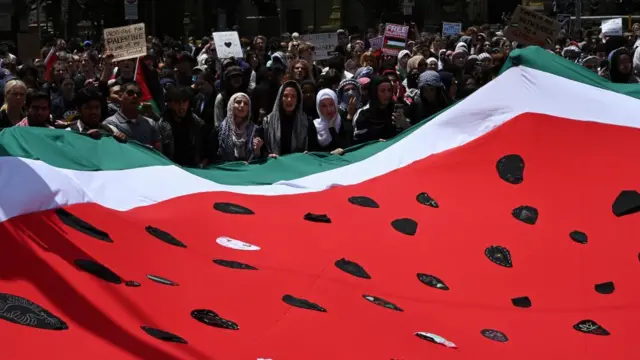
429, 100
183, 138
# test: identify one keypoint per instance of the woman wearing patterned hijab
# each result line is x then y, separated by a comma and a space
236, 141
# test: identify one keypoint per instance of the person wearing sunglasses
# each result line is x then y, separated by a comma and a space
129, 121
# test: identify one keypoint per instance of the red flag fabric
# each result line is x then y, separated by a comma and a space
51, 59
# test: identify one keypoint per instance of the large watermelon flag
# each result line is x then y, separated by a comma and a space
505, 227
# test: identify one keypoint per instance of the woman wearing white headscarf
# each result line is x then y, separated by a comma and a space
328, 133
236, 141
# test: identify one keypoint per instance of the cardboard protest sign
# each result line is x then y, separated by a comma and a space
451, 29
228, 44
324, 44
126, 42
530, 28
376, 42
395, 39
612, 27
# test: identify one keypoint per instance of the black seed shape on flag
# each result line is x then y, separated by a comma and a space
161, 280
424, 199
405, 226
319, 218
99, 270
494, 335
432, 281
591, 327
627, 203
131, 283
364, 202
302, 303
511, 169
211, 318
82, 226
352, 268
526, 214
233, 209
499, 255
605, 288
382, 302
234, 264
523, 302
163, 335
21, 311
164, 236
579, 237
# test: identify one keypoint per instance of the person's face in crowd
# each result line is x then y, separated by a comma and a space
290, 56
240, 108
403, 61
357, 53
86, 66
115, 94
127, 67
73, 66
385, 93
61, 45
625, 64
203, 86
235, 81
254, 61
328, 108
480, 40
185, 68
428, 94
283, 46
259, 44
90, 113
485, 63
130, 98
351, 66
60, 72
16, 97
307, 56
601, 55
436, 44
299, 72
394, 82
38, 112
423, 66
410, 46
591, 65
308, 94
486, 47
507, 47
343, 39
289, 100
558, 50
459, 59
68, 88
179, 107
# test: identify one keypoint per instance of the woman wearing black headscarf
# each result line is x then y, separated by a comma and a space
378, 120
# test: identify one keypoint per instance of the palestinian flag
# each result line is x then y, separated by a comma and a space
49, 61
505, 227
149, 84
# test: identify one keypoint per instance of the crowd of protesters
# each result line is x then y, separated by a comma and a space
276, 100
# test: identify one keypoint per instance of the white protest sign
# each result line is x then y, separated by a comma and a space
228, 44
451, 29
323, 42
612, 27
126, 42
